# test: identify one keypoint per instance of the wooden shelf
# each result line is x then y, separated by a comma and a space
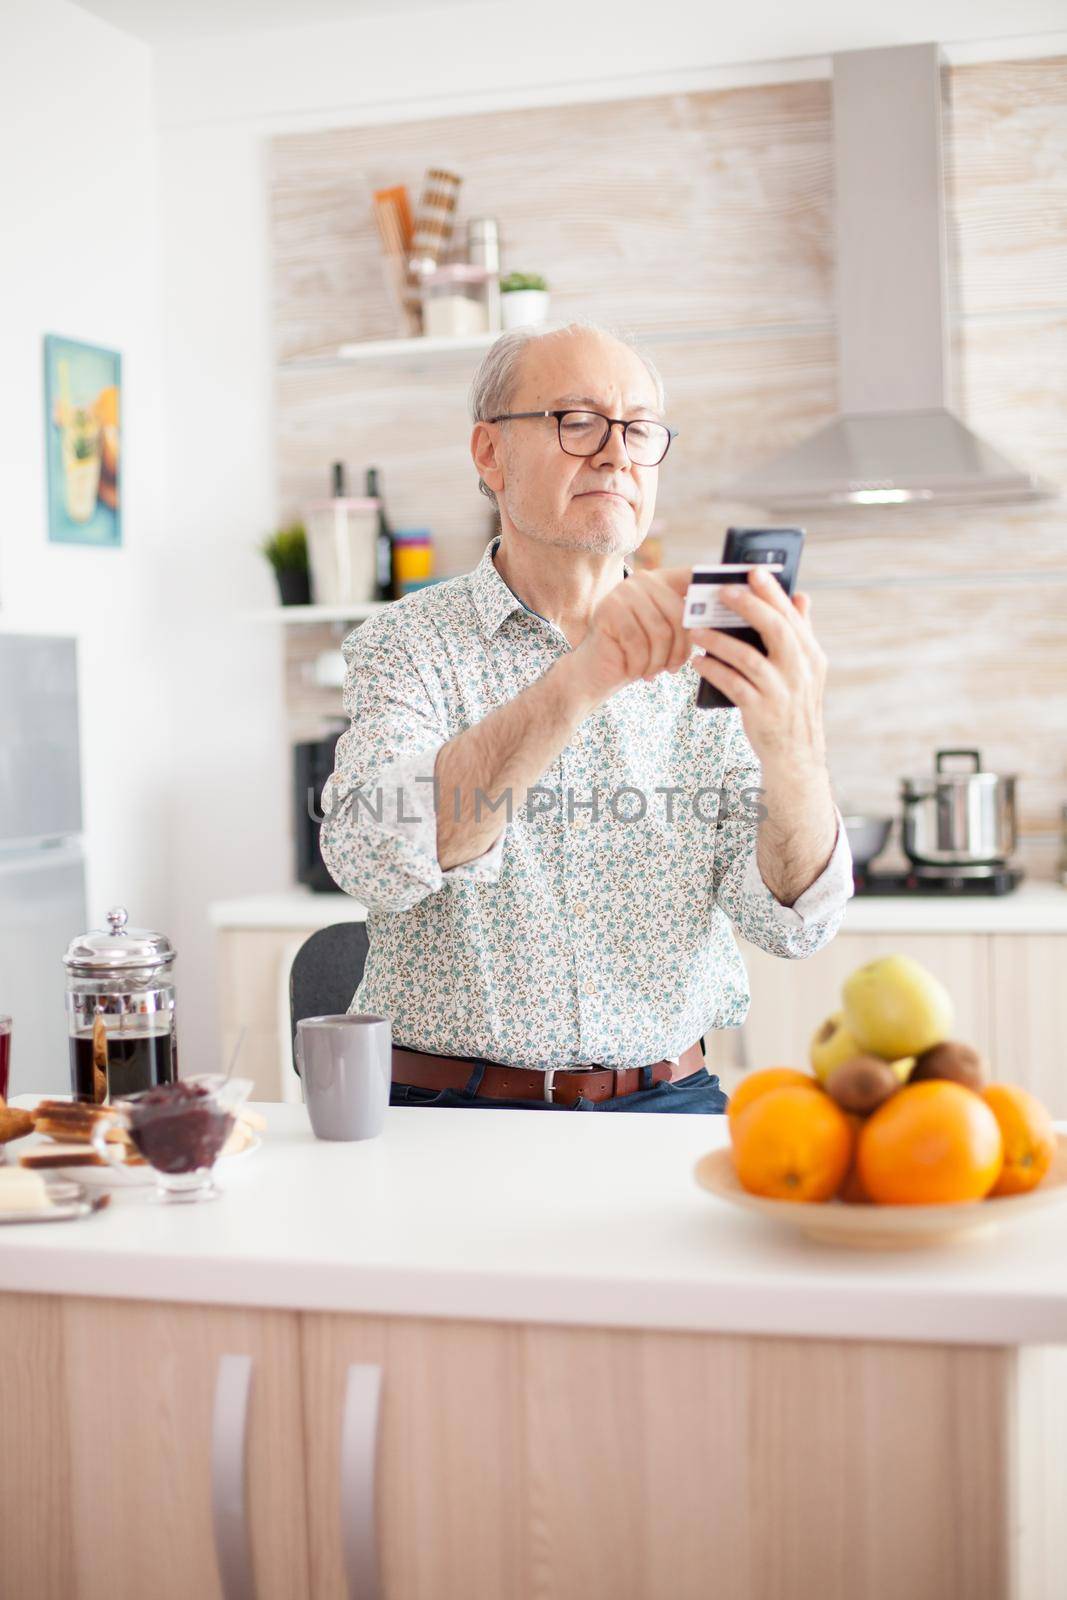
374, 349
418, 347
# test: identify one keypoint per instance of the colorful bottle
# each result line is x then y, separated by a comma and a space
412, 559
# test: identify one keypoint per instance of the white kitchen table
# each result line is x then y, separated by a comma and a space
536, 1216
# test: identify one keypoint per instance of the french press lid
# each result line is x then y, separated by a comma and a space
120, 949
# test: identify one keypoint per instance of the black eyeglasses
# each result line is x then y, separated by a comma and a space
585, 433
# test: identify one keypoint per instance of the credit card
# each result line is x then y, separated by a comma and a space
703, 608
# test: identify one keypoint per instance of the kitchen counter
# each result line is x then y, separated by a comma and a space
1035, 907
287, 908
516, 1216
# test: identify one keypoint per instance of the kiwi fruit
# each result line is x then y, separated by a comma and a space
862, 1084
959, 1063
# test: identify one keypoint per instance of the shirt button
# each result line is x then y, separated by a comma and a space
589, 987
579, 908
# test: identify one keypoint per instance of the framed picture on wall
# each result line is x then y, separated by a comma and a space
83, 454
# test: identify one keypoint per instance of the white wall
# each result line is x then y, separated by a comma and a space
78, 257
230, 778
218, 102
474, 56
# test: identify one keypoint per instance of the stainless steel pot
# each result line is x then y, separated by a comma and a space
958, 818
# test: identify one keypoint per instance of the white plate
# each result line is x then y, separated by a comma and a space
885, 1227
69, 1199
138, 1176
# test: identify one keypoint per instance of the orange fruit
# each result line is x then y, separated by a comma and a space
758, 1084
852, 1191
793, 1144
931, 1143
1029, 1137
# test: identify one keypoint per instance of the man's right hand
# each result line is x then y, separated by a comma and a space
635, 633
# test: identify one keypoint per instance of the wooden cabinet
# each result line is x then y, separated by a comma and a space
548, 1463
451, 1472
1029, 1006
1009, 990
118, 1451
397, 1458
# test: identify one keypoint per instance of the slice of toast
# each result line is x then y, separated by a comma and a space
72, 1155
68, 1119
60, 1155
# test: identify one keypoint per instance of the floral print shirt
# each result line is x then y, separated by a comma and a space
598, 928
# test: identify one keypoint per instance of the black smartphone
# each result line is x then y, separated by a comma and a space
743, 547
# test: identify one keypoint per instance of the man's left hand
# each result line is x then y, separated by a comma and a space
779, 695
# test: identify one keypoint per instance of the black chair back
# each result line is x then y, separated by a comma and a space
326, 972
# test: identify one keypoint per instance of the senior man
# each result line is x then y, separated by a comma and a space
551, 840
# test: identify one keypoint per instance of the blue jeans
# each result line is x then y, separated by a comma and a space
699, 1093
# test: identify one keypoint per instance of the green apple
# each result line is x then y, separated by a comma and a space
895, 1008
903, 1068
831, 1046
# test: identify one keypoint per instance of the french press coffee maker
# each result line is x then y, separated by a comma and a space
120, 1011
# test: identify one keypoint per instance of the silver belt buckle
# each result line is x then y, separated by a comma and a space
550, 1073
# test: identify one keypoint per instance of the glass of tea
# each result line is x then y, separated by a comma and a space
5, 1056
179, 1129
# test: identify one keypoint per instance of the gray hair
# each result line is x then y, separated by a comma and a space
496, 379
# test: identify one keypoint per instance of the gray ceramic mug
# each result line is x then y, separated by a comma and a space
346, 1071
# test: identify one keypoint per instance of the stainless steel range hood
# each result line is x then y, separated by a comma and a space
895, 439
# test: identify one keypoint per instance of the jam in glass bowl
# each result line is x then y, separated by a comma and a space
180, 1129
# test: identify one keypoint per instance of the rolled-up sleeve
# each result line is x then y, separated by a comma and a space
379, 830
815, 916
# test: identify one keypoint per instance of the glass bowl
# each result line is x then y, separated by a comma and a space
179, 1128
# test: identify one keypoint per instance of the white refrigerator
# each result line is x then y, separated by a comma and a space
42, 868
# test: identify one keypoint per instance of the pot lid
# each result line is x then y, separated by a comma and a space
930, 781
942, 774
119, 948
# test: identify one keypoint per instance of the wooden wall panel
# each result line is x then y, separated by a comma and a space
679, 211
709, 231
1006, 172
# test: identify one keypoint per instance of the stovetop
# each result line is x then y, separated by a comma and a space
945, 881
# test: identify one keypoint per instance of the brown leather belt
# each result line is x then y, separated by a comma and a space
561, 1086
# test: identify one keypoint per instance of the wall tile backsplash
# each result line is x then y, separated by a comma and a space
709, 233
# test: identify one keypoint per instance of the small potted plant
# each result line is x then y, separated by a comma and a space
523, 299
287, 552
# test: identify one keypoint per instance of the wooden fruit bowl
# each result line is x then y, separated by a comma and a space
871, 1227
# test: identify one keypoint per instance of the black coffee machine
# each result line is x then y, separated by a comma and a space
312, 765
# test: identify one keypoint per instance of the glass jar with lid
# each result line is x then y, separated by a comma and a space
455, 301
120, 1010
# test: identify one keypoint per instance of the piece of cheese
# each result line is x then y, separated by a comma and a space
21, 1190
